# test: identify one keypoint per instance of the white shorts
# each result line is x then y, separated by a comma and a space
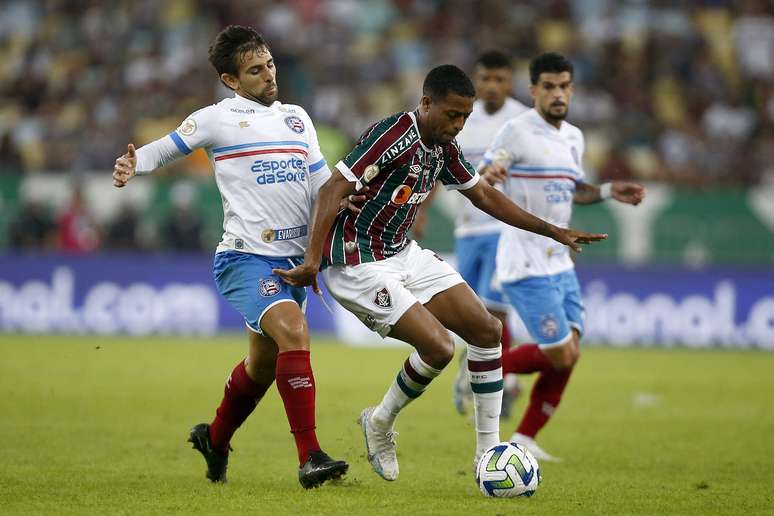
379, 293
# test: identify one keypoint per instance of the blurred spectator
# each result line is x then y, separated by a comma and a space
33, 228
77, 230
10, 157
183, 228
123, 229
80, 79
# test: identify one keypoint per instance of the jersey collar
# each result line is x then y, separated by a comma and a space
256, 105
539, 120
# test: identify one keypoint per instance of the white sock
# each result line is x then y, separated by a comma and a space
486, 379
412, 380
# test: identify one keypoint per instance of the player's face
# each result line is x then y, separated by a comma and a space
257, 76
552, 95
446, 117
493, 85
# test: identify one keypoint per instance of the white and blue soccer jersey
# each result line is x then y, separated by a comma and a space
544, 164
478, 132
268, 168
536, 272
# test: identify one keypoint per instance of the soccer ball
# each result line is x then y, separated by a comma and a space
507, 470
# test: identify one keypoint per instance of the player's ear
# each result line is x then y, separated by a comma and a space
230, 81
425, 103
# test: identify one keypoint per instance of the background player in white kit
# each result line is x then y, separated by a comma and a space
477, 232
538, 156
268, 168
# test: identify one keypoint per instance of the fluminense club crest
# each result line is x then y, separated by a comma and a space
383, 298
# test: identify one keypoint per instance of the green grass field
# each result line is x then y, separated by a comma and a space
98, 425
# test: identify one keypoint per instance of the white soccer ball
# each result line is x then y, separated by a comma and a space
507, 470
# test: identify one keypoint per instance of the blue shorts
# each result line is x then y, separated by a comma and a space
247, 283
549, 306
476, 264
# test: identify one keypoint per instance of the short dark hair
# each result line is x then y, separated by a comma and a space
232, 43
494, 59
447, 78
550, 62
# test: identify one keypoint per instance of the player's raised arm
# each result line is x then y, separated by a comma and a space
487, 198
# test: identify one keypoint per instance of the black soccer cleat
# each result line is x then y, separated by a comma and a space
319, 468
216, 461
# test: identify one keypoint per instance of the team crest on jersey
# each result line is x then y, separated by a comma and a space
383, 299
548, 326
188, 127
295, 124
575, 157
269, 287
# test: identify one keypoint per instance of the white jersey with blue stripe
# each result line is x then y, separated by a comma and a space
544, 164
268, 168
475, 137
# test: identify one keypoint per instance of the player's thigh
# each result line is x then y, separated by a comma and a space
373, 291
286, 325
539, 303
420, 328
468, 263
248, 284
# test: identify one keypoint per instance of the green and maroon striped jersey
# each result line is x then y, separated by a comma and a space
404, 172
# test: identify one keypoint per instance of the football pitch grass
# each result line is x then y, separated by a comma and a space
92, 425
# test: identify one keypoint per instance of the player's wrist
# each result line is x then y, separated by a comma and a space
606, 191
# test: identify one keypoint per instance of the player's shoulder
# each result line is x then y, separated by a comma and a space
402, 120
519, 122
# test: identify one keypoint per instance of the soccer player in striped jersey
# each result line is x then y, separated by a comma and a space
539, 157
268, 168
394, 286
477, 232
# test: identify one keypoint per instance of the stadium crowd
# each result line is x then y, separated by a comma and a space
681, 92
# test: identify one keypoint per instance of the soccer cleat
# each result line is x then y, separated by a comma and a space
532, 446
462, 394
319, 468
511, 392
380, 447
216, 461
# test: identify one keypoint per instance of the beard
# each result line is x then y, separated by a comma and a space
556, 116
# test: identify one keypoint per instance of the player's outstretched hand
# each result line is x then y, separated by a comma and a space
629, 193
300, 276
573, 238
124, 168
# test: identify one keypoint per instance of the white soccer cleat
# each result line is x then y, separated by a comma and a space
532, 446
462, 394
380, 447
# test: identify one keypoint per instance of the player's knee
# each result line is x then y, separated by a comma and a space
292, 336
487, 334
441, 352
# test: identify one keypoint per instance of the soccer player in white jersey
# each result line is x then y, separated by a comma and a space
394, 286
477, 232
268, 168
538, 156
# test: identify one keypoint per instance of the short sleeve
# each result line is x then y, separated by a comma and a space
196, 131
379, 145
458, 174
317, 166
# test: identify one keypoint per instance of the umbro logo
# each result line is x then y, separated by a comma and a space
300, 382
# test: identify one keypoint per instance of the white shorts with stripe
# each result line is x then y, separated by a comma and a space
379, 293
